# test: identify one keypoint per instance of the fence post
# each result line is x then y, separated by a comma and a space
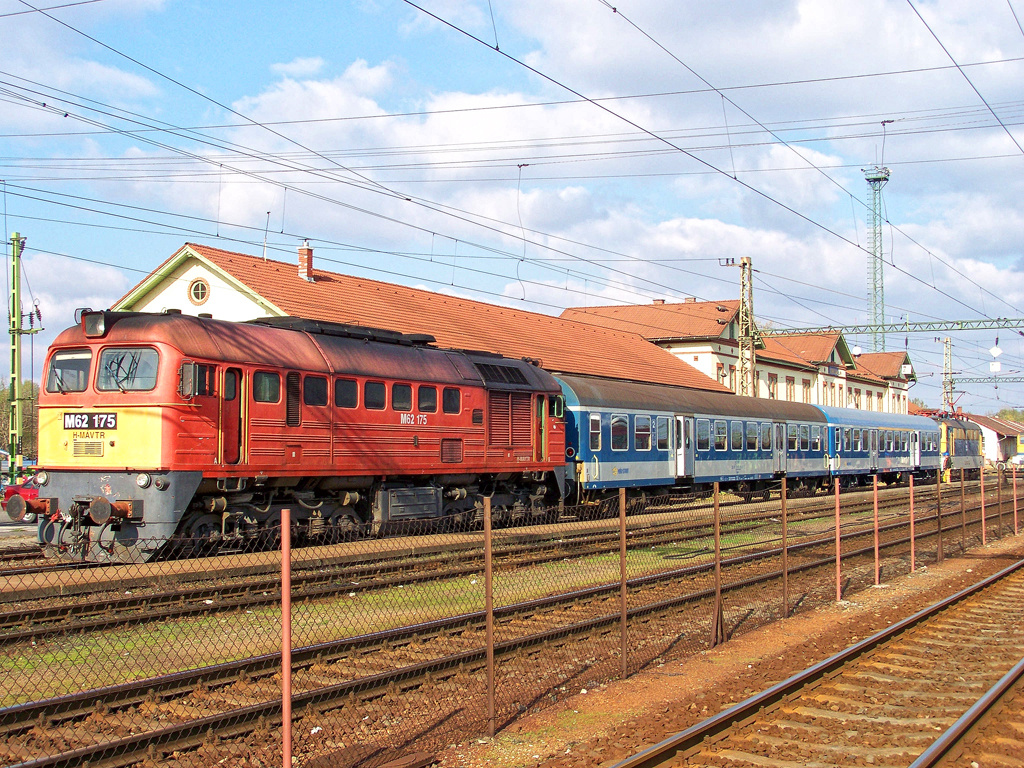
489, 610
999, 501
718, 621
1014, 499
839, 578
286, 637
963, 514
622, 581
938, 515
785, 553
913, 542
874, 494
984, 533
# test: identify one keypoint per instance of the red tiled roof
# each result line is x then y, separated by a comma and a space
887, 365
811, 349
691, 319
1003, 427
561, 345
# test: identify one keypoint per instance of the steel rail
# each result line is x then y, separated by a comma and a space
668, 750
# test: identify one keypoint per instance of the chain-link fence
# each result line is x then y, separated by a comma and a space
434, 635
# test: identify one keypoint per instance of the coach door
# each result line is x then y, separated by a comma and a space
231, 416
915, 449
780, 448
874, 449
684, 446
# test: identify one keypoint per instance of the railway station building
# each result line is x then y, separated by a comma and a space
820, 369
206, 281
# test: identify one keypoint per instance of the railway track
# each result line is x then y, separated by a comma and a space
882, 702
109, 611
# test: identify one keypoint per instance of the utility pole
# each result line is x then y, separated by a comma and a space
876, 177
17, 330
749, 335
947, 374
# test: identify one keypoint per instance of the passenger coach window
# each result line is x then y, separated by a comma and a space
703, 435
805, 437
815, 438
663, 441
401, 397
595, 432
375, 395
346, 393
751, 436
426, 399
736, 435
266, 387
314, 390
847, 439
642, 433
127, 370
721, 435
620, 433
451, 400
69, 371
766, 437
792, 436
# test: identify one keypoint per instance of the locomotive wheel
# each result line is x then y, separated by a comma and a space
345, 526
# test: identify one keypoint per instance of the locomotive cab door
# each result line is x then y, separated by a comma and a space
684, 446
780, 448
231, 417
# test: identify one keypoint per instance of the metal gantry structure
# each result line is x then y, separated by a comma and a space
876, 177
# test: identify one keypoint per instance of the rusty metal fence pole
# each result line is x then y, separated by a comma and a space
874, 495
785, 553
839, 578
622, 583
718, 620
938, 515
1015, 500
913, 540
984, 533
286, 637
489, 610
963, 514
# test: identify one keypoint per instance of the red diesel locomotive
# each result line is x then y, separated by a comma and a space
164, 428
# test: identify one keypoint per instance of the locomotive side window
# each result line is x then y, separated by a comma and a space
69, 371
703, 435
595, 432
314, 390
663, 434
204, 378
451, 400
620, 432
266, 387
230, 385
401, 397
721, 435
130, 369
426, 399
642, 433
346, 393
375, 395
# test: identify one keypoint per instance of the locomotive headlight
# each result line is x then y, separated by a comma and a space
143, 480
42, 478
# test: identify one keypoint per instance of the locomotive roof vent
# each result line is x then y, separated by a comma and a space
341, 329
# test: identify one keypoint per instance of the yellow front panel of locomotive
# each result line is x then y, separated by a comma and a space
93, 438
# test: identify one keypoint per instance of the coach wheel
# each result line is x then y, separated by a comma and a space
345, 526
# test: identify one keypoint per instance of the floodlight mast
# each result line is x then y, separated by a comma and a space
876, 176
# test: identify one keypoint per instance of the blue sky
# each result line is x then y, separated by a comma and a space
597, 157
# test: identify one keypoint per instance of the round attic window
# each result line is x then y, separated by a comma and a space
198, 291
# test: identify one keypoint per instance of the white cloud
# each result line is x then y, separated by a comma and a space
300, 67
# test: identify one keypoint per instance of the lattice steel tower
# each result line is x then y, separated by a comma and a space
876, 176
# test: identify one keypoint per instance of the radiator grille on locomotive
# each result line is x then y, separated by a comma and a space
509, 422
451, 451
83, 448
501, 374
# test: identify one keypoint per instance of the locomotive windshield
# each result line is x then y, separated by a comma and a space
127, 369
69, 371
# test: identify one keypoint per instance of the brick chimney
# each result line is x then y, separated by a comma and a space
306, 261
659, 301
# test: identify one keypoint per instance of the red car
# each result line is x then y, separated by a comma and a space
27, 489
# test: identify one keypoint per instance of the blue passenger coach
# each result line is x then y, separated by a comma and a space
891, 445
633, 435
